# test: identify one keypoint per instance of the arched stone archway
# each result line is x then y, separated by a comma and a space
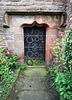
15, 34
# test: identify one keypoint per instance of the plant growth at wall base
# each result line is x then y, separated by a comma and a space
61, 71
8, 69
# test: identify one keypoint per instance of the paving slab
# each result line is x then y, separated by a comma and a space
35, 95
32, 84
37, 83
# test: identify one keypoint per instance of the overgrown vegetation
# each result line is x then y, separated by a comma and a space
61, 71
8, 69
34, 62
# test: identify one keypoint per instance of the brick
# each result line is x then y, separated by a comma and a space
15, 36
39, 0
21, 54
18, 37
10, 45
49, 0
19, 45
8, 37
11, 0
2, 43
58, 0
49, 56
50, 39
11, 52
51, 31
21, 61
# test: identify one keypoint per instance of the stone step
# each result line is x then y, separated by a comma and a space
34, 72
36, 66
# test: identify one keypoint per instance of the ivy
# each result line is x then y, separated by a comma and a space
68, 51
63, 82
61, 71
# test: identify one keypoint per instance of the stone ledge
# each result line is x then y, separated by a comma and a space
29, 3
34, 12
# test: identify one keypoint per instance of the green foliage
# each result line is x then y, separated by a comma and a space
58, 54
8, 61
68, 51
12, 61
61, 71
34, 62
58, 58
63, 82
7, 64
23, 66
52, 72
6, 75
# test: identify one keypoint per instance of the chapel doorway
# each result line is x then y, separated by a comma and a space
34, 45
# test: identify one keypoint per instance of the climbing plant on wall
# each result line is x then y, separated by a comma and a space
61, 72
68, 51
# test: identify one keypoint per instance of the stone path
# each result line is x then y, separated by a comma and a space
32, 84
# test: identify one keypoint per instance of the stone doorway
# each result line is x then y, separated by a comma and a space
34, 45
15, 33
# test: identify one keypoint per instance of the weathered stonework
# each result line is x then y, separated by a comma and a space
15, 14
15, 34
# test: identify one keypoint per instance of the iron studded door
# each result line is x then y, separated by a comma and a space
34, 45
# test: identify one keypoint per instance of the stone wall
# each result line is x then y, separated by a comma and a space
70, 14
15, 35
14, 13
28, 6
32, 0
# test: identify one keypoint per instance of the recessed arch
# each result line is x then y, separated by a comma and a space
34, 24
